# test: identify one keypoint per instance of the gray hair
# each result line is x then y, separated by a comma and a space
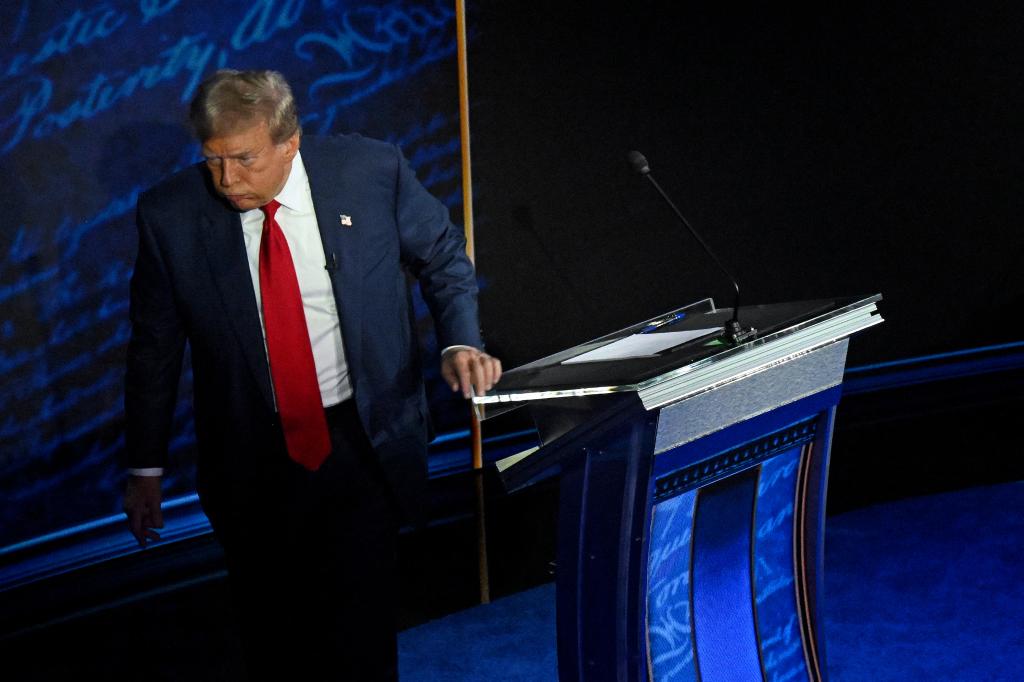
230, 101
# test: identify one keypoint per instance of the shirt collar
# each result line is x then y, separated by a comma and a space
295, 193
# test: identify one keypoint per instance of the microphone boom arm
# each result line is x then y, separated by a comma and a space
733, 329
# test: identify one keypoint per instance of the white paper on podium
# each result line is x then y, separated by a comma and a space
505, 463
640, 345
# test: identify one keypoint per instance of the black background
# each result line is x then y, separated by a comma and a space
823, 153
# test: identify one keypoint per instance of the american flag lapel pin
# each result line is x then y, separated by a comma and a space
346, 220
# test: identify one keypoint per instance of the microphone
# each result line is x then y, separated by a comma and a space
733, 330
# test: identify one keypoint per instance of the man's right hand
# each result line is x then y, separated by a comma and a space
142, 506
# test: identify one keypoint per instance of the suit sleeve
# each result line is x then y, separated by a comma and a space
155, 353
434, 250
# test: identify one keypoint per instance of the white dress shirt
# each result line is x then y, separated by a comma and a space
297, 220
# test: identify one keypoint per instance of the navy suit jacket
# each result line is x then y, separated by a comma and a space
192, 283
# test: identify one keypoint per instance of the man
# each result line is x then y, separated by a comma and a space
285, 272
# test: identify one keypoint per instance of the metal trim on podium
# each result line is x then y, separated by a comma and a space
692, 489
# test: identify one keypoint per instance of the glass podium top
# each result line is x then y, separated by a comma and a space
682, 352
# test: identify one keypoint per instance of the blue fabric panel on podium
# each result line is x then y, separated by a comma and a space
723, 601
669, 617
774, 581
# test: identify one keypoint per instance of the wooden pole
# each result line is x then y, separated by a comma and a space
467, 171
467, 210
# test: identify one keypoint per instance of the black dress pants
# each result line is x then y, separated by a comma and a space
313, 573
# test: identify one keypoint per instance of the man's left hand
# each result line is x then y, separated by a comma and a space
463, 367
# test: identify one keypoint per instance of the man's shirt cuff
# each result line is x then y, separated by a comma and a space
454, 348
150, 471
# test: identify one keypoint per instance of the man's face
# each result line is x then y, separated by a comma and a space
248, 168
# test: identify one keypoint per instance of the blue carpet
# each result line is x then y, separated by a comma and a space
930, 588
509, 639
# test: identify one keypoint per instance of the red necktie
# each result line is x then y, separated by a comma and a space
291, 355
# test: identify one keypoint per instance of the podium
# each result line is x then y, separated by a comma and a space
692, 476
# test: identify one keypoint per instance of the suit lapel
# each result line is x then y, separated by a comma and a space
225, 253
333, 201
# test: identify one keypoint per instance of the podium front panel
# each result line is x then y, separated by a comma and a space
732, 554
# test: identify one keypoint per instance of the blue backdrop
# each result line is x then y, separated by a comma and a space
92, 111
